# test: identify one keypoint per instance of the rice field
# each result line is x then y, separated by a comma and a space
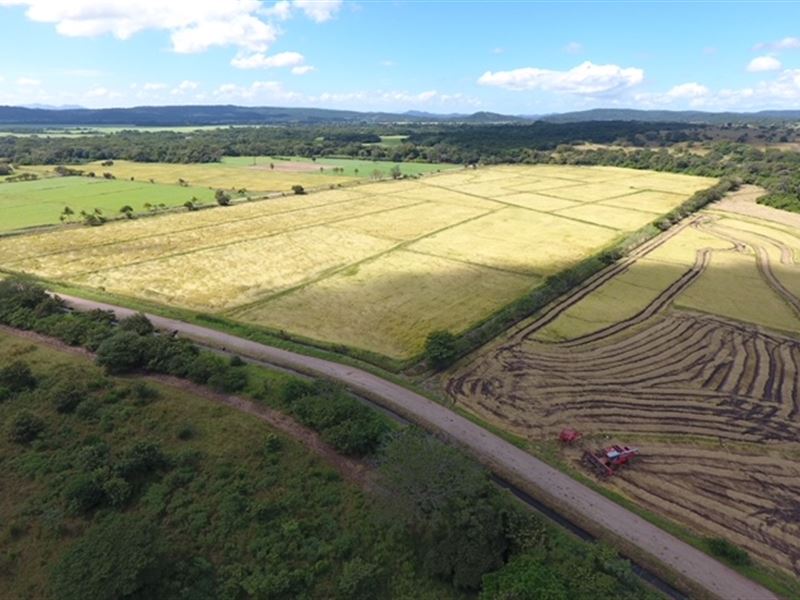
376, 266
688, 349
37, 203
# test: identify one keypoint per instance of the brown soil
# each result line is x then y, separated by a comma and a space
725, 395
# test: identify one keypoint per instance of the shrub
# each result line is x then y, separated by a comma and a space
84, 493
295, 388
118, 558
25, 427
222, 198
722, 548
122, 352
298, 189
440, 349
137, 323
228, 380
17, 377
67, 394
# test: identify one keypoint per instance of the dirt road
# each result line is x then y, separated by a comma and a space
509, 461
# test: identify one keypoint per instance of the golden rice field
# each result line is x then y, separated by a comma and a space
689, 349
375, 266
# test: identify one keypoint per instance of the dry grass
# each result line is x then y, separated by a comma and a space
446, 295
377, 266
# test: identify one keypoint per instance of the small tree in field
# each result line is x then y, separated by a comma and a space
127, 210
395, 172
222, 198
440, 349
298, 189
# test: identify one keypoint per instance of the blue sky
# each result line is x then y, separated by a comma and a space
510, 57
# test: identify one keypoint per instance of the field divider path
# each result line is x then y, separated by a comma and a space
538, 478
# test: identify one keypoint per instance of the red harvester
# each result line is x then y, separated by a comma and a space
606, 461
569, 436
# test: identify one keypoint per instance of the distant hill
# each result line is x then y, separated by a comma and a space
672, 116
173, 116
223, 115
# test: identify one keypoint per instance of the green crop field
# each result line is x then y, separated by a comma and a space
35, 203
376, 266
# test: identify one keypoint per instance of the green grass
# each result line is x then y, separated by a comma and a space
36, 203
239, 508
352, 167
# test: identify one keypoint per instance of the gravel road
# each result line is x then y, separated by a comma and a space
510, 461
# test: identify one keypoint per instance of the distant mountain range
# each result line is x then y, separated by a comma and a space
172, 116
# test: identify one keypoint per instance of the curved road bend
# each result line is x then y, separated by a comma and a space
693, 564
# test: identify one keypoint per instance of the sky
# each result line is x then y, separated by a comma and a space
509, 57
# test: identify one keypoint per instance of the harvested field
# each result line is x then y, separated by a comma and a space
689, 349
377, 266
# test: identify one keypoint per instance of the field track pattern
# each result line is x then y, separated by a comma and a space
714, 403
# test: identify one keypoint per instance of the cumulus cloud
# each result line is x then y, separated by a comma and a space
587, 79
28, 82
260, 60
787, 43
152, 87
193, 25
692, 93
764, 63
318, 10
303, 70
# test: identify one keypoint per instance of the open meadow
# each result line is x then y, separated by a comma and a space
35, 203
689, 348
376, 266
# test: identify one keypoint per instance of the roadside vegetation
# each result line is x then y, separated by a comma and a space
129, 488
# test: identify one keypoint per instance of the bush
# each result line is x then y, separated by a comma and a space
67, 394
440, 349
222, 198
296, 388
138, 323
83, 493
298, 189
118, 558
228, 380
122, 352
141, 459
722, 548
25, 427
17, 377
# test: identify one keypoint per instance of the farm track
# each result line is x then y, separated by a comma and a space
726, 390
505, 459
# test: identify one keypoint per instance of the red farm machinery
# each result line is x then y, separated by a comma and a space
604, 461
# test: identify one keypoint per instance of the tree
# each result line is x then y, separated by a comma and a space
222, 198
137, 323
448, 503
440, 349
127, 210
298, 189
395, 172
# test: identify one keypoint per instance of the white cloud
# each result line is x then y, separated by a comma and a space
764, 63
303, 70
152, 87
101, 92
82, 73
573, 48
260, 60
187, 85
586, 79
193, 25
689, 90
318, 10
787, 43
28, 82
280, 10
